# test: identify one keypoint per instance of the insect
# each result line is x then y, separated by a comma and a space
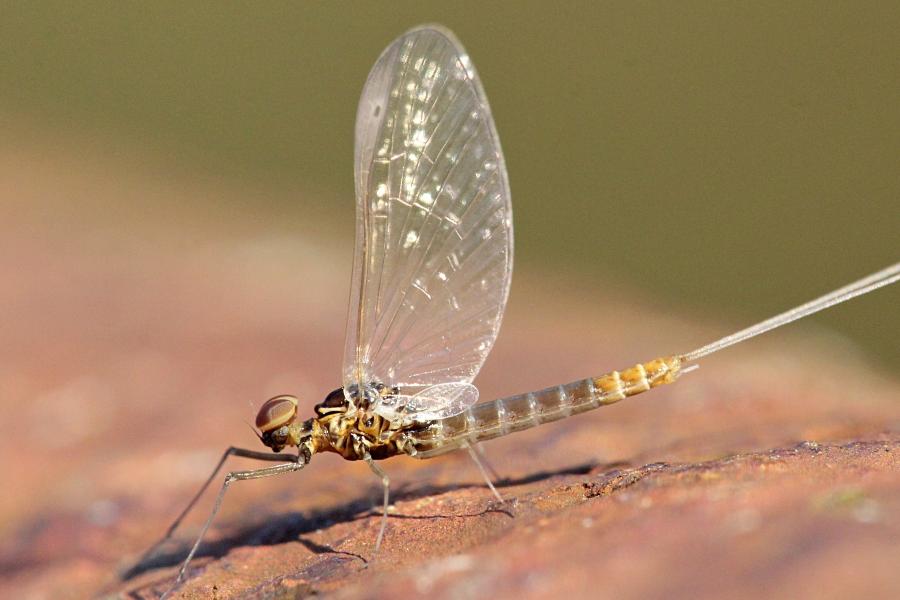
431, 275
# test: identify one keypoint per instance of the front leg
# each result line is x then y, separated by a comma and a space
231, 451
298, 463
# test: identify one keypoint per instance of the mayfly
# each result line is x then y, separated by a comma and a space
431, 274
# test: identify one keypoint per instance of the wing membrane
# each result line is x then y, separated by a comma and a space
440, 401
434, 231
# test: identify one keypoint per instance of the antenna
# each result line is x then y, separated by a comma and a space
857, 288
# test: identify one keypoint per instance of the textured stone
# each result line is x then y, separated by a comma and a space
137, 346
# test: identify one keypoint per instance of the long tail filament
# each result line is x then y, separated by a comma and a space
857, 288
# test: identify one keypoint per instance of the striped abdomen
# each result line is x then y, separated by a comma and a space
488, 420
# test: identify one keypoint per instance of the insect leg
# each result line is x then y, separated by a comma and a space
479, 449
484, 473
298, 463
232, 451
386, 484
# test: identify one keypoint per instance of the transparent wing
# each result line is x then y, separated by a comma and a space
439, 401
434, 227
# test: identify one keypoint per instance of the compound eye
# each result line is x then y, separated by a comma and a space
276, 412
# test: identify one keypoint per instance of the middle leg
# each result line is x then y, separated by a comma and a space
386, 484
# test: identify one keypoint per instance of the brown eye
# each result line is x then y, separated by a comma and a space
276, 412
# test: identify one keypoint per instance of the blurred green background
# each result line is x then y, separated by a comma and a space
729, 159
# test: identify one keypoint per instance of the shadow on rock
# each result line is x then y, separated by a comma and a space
291, 527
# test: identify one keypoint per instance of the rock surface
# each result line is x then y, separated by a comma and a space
138, 342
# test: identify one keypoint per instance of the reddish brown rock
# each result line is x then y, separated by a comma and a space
138, 342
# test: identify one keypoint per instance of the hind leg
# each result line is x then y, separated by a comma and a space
480, 462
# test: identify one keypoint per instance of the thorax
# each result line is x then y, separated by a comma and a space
356, 433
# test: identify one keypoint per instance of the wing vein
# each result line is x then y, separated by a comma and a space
434, 231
